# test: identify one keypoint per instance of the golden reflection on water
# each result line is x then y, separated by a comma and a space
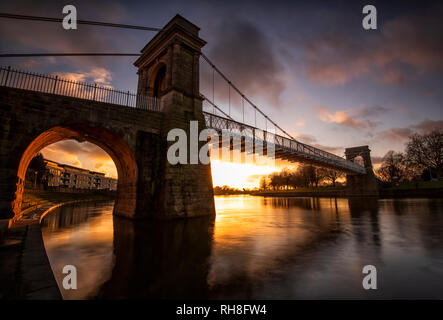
259, 248
253, 235
82, 238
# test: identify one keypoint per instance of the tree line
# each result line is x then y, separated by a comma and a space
422, 159
305, 176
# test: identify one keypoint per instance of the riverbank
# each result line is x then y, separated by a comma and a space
25, 271
35, 203
293, 193
341, 193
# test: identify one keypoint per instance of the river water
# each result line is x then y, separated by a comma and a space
255, 248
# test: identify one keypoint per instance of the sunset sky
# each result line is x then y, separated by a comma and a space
309, 65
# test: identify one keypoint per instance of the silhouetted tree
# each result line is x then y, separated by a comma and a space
36, 169
393, 166
426, 151
275, 180
263, 183
331, 175
296, 179
285, 178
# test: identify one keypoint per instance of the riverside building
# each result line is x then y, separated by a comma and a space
62, 175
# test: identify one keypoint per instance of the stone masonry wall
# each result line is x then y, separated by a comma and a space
30, 120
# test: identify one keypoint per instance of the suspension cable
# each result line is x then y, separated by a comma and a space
243, 107
247, 99
71, 54
87, 22
115, 25
229, 99
213, 86
216, 107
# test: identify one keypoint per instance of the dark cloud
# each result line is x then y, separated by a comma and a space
70, 146
334, 58
79, 149
245, 54
306, 138
373, 111
311, 140
405, 47
395, 134
376, 160
429, 125
37, 36
402, 134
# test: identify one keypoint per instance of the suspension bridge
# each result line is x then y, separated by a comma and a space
38, 110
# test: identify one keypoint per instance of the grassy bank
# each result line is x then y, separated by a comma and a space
36, 201
415, 185
35, 197
404, 189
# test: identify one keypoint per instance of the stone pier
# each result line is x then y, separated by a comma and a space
361, 184
148, 186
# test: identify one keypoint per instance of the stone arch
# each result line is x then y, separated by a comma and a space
112, 143
359, 160
357, 154
361, 184
157, 80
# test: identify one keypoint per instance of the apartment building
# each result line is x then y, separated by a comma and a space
63, 175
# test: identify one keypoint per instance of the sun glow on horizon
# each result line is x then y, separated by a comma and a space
239, 175
230, 173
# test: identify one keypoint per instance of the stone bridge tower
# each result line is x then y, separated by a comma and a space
168, 69
358, 184
149, 187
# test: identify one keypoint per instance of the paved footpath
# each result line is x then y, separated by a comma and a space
25, 271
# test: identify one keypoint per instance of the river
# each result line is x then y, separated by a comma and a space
255, 248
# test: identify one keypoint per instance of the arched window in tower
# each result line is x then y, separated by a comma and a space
160, 82
359, 160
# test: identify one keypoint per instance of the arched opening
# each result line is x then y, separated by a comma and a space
359, 160
71, 166
159, 83
107, 140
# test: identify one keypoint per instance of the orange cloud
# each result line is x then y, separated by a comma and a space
342, 118
98, 75
84, 155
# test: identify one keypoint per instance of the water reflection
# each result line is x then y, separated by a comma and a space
80, 235
168, 260
257, 248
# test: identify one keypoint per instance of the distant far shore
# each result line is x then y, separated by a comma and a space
404, 189
384, 193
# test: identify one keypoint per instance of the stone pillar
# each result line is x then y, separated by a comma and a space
181, 190
361, 184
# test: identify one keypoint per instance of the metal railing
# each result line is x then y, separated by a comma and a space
53, 84
281, 143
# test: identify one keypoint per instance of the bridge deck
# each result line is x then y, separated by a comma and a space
285, 148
